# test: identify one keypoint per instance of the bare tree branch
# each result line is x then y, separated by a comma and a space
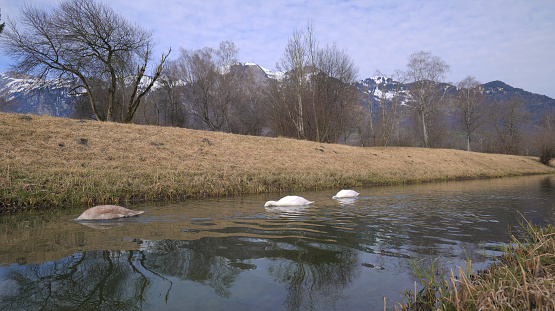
81, 39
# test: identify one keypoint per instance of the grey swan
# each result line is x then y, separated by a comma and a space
103, 212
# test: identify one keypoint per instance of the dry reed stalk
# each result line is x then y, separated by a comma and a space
524, 279
454, 288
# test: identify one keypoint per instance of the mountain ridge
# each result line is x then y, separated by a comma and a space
23, 94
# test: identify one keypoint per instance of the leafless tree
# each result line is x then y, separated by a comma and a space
295, 61
137, 93
5, 104
392, 112
334, 96
425, 72
469, 108
316, 95
369, 95
210, 86
87, 40
282, 103
387, 115
544, 137
509, 118
247, 115
170, 110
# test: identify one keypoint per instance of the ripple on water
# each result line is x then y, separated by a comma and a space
242, 255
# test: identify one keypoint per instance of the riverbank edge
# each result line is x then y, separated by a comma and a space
53, 163
522, 278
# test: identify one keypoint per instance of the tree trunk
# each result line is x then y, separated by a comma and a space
467, 142
424, 130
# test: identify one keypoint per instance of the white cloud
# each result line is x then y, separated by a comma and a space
509, 40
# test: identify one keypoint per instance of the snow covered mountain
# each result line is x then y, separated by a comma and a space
22, 94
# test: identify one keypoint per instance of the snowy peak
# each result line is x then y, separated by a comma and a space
24, 94
377, 80
15, 83
268, 73
381, 87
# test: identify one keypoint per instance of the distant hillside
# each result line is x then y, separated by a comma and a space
536, 104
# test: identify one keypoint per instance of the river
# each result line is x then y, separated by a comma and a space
235, 254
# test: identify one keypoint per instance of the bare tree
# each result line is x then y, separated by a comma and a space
509, 118
170, 110
5, 104
294, 61
425, 72
82, 39
281, 104
316, 94
247, 115
392, 110
544, 137
334, 96
468, 102
369, 101
210, 88
385, 116
137, 94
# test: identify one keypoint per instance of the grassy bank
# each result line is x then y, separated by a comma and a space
523, 279
48, 162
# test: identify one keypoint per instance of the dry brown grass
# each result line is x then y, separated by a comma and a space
524, 279
53, 162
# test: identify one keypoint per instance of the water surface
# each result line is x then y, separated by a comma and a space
234, 254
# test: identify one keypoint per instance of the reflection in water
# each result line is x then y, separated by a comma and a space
102, 224
231, 254
287, 211
125, 280
103, 280
346, 201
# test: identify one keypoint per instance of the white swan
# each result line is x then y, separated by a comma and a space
346, 194
290, 200
107, 212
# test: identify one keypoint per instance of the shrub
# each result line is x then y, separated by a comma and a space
547, 153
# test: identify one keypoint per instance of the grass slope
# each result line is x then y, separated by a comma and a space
48, 162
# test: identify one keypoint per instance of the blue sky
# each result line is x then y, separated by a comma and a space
510, 40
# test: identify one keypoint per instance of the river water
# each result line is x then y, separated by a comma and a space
235, 254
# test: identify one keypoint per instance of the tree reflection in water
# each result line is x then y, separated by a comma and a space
103, 280
122, 280
235, 255
318, 272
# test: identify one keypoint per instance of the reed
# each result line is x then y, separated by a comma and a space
48, 162
523, 279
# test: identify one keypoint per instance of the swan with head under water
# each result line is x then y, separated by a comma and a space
346, 194
103, 212
290, 200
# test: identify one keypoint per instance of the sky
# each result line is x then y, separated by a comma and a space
508, 40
